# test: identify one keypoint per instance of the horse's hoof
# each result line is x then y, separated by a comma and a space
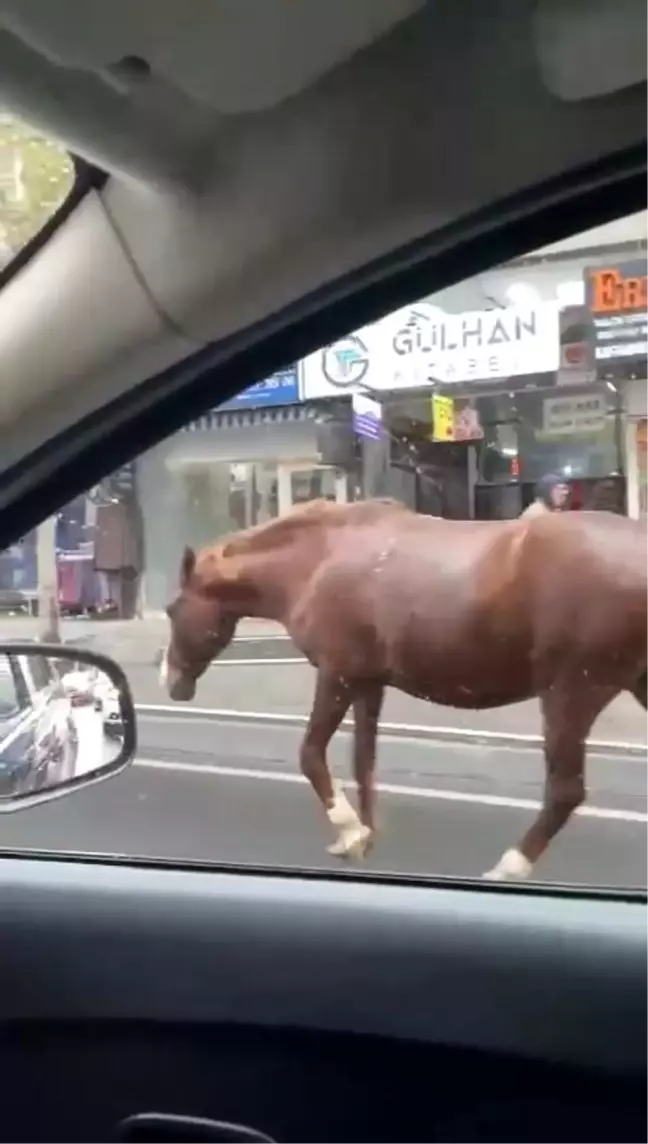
354, 846
512, 867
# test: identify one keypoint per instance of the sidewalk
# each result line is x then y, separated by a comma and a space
130, 642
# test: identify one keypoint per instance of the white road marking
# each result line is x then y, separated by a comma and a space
422, 730
268, 638
429, 793
227, 662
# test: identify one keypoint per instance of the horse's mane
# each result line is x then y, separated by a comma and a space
274, 532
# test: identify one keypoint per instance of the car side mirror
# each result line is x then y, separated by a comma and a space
67, 720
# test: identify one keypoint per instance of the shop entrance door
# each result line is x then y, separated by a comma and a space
298, 483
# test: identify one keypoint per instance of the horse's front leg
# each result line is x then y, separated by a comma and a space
332, 701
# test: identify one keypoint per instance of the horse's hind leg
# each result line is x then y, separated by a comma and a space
366, 711
569, 713
332, 701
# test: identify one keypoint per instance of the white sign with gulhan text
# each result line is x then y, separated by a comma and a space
421, 344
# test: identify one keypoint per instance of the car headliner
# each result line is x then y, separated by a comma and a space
261, 150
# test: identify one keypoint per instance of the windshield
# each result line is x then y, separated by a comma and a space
486, 612
36, 177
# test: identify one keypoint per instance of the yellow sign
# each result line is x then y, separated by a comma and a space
443, 418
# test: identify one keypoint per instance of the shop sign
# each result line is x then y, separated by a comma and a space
576, 358
420, 345
616, 300
282, 388
443, 418
573, 416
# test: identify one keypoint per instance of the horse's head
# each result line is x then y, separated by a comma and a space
201, 627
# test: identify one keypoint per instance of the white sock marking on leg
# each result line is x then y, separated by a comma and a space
352, 835
512, 866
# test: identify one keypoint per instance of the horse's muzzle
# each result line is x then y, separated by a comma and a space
181, 688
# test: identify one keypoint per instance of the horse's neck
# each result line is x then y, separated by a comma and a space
273, 580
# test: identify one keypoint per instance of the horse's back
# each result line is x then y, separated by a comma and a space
462, 611
402, 593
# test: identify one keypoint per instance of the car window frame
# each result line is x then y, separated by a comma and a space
579, 200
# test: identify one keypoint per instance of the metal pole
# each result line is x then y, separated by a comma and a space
48, 594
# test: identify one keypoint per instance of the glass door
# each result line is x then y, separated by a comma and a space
298, 483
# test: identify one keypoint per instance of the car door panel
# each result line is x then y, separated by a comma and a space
318, 1009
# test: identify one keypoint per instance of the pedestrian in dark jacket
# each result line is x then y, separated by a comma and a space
551, 495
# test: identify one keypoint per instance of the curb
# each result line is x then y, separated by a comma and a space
400, 730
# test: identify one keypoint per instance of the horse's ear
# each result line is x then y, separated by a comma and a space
227, 565
217, 567
187, 566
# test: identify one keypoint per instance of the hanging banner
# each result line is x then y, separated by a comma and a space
443, 418
467, 425
367, 417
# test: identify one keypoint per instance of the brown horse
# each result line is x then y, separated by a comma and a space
468, 614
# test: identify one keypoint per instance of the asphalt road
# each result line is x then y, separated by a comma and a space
270, 676
262, 647
225, 792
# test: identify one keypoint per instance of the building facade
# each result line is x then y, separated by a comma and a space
239, 465
456, 405
548, 375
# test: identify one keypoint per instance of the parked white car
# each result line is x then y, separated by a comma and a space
107, 698
90, 685
39, 743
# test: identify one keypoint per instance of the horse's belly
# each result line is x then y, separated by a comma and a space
471, 698
462, 679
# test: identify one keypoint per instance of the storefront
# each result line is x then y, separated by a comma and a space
237, 466
617, 312
537, 383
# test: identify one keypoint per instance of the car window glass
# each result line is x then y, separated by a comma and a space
36, 177
41, 671
9, 699
521, 390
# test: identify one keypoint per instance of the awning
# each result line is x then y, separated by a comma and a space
246, 418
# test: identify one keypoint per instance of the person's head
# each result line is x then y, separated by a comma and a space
553, 491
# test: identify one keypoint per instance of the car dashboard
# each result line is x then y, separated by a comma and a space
315, 1009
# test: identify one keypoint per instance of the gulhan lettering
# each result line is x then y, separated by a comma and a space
466, 332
